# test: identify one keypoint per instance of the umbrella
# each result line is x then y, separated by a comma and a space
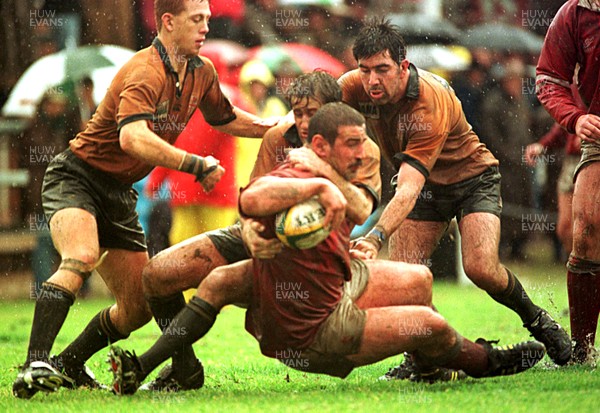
233, 54
423, 28
433, 56
298, 57
100, 63
502, 37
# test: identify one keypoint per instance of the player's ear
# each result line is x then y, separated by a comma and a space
167, 21
319, 145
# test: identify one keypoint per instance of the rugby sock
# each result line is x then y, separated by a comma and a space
472, 358
464, 355
165, 309
192, 323
51, 309
99, 333
584, 298
516, 298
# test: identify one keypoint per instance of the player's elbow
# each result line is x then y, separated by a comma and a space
250, 202
127, 140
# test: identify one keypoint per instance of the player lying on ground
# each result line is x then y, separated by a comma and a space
186, 264
346, 312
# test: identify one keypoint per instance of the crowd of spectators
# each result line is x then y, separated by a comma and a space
497, 91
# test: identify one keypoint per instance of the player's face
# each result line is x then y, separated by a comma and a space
191, 27
303, 110
348, 151
382, 78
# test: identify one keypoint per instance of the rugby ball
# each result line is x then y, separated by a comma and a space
301, 226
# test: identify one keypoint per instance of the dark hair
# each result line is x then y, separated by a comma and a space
379, 35
317, 85
167, 6
327, 120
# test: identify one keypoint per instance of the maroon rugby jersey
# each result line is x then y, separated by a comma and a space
298, 289
573, 39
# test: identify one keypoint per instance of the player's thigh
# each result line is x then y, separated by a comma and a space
565, 218
393, 283
586, 213
480, 236
415, 241
392, 330
74, 232
182, 266
228, 284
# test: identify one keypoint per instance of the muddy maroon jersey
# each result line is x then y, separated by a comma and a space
298, 289
573, 39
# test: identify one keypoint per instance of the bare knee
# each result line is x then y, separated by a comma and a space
425, 326
214, 289
224, 285
437, 323
564, 232
486, 274
163, 275
422, 284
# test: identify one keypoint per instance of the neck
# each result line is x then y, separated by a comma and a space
178, 61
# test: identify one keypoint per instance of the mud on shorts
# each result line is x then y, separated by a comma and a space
70, 182
590, 152
441, 203
228, 241
341, 333
565, 183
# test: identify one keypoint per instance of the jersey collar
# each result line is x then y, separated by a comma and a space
292, 137
193, 63
412, 88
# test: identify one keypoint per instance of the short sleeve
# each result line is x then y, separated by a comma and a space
215, 106
140, 94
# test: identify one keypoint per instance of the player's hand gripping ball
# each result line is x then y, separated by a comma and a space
301, 226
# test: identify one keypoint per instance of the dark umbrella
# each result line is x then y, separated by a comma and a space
422, 28
502, 37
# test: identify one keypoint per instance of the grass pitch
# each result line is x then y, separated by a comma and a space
240, 379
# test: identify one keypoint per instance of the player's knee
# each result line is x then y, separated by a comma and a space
157, 275
422, 283
217, 289
480, 269
80, 262
424, 277
564, 231
436, 323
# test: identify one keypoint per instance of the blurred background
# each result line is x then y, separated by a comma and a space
57, 58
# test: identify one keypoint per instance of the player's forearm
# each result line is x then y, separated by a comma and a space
269, 195
559, 102
360, 205
398, 208
243, 125
137, 140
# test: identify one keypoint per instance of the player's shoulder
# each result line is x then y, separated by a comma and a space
146, 64
350, 79
277, 132
371, 149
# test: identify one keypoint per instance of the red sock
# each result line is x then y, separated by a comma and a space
584, 306
472, 359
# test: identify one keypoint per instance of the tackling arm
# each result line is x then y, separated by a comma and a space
410, 183
269, 195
